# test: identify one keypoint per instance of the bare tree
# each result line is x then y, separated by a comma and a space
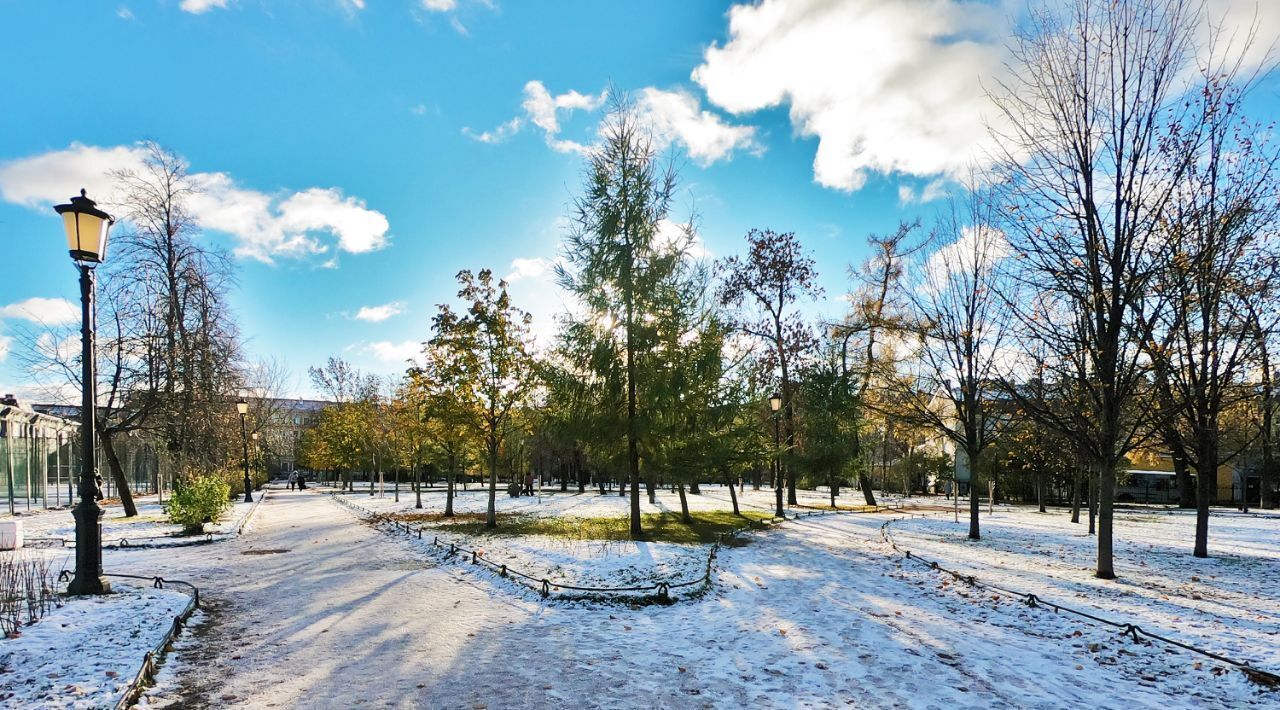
875, 311
1093, 85
957, 330
1219, 269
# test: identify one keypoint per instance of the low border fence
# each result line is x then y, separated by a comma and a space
141, 542
1137, 633
658, 592
146, 672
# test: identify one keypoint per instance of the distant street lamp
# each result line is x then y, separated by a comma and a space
87, 228
243, 408
775, 404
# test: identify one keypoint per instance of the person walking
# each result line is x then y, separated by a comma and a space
293, 480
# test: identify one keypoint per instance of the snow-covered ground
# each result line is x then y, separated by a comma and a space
1228, 603
85, 653
584, 563
150, 527
315, 609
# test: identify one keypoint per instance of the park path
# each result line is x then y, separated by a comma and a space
311, 608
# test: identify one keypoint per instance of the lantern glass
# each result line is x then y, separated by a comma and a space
775, 402
242, 407
87, 228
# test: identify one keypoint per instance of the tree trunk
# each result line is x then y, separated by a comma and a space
1206, 479
491, 514
1075, 496
693, 488
974, 532
733, 495
684, 506
832, 488
1106, 499
117, 474
1093, 501
1182, 474
1040, 488
864, 482
450, 477
417, 479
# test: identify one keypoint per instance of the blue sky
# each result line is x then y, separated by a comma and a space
358, 153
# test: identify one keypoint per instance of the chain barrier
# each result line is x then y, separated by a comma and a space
658, 592
1257, 675
145, 542
151, 659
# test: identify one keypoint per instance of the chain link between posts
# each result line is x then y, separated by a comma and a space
1131, 630
659, 592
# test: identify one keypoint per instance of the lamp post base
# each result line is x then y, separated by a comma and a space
88, 577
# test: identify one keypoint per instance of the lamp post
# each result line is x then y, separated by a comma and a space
243, 408
87, 227
775, 404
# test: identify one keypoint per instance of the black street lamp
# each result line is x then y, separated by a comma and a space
243, 408
775, 404
87, 228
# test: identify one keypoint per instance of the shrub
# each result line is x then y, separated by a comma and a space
27, 591
199, 500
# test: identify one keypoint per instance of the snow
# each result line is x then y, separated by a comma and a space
84, 654
816, 613
1228, 603
150, 527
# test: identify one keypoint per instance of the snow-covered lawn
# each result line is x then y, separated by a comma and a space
85, 653
586, 562
1229, 603
150, 527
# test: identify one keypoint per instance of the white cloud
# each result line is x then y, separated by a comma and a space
889, 86
497, 135
677, 116
530, 268
388, 351
264, 225
439, 5
124, 13
544, 109
978, 249
418, 109
46, 311
6, 343
671, 116
897, 86
377, 314
197, 7
359, 228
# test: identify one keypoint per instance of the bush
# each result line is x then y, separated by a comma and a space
27, 591
198, 501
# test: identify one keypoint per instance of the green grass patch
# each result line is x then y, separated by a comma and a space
658, 527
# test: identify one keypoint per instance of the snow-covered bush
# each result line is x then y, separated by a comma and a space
198, 501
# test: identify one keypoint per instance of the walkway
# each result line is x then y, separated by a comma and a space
311, 608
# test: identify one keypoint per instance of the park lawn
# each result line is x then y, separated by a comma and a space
706, 528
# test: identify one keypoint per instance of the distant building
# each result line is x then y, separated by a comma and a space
285, 420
